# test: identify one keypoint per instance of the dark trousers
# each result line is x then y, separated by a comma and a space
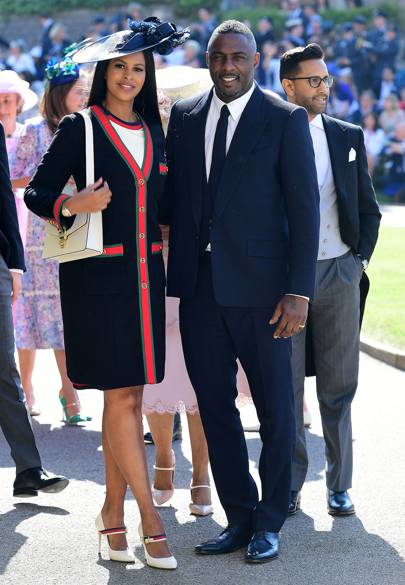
213, 338
15, 420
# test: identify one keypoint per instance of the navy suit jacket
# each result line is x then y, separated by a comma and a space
265, 228
11, 247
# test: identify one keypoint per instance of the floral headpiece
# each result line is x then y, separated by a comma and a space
61, 72
148, 34
151, 31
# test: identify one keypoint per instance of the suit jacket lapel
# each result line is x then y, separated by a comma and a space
248, 132
194, 128
337, 137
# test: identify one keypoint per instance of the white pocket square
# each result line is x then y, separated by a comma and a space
352, 155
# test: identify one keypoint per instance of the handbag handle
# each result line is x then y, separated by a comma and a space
88, 128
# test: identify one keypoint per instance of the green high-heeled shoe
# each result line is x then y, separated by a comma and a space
75, 419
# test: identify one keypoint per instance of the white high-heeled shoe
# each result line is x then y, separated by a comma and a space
156, 562
122, 556
162, 496
200, 509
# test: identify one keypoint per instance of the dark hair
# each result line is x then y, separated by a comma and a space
234, 27
53, 103
291, 59
375, 118
145, 103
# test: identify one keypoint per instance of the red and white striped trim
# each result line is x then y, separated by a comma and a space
57, 206
140, 178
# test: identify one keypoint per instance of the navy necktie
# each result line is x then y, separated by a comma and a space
218, 153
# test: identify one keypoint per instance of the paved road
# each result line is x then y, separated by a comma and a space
51, 539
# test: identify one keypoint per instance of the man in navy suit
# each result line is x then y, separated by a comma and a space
348, 233
14, 417
243, 213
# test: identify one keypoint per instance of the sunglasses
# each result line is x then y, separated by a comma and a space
315, 81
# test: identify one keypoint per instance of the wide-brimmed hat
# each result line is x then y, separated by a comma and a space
10, 82
150, 33
180, 81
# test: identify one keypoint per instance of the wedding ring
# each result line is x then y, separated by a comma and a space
301, 326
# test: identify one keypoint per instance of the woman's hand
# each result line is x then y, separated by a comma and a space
93, 198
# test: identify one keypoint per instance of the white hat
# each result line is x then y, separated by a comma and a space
181, 81
10, 82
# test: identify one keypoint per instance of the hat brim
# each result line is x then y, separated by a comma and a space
30, 99
106, 48
181, 82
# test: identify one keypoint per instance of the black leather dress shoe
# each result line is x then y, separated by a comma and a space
294, 504
29, 482
263, 547
339, 503
230, 539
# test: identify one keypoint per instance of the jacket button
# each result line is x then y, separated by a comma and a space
142, 260
141, 236
141, 210
144, 285
141, 182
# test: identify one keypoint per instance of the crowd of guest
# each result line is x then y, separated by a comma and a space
362, 56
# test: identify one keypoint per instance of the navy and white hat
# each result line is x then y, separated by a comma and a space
150, 33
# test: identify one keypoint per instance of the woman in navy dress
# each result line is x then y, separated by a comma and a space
113, 305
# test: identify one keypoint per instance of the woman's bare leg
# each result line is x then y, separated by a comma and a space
124, 433
116, 487
200, 459
161, 427
68, 392
26, 360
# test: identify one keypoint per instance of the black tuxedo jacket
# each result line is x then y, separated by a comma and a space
359, 215
11, 247
264, 234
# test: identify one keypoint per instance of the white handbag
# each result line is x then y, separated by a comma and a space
84, 238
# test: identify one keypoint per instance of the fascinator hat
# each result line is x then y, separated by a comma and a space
150, 33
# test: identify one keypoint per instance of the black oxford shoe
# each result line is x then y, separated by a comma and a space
294, 503
263, 547
29, 482
339, 503
230, 539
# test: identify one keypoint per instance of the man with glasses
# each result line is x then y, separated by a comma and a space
348, 233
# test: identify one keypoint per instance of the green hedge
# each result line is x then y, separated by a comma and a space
30, 7
188, 9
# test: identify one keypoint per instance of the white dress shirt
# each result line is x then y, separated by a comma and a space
331, 244
235, 108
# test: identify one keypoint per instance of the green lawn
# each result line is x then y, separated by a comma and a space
384, 318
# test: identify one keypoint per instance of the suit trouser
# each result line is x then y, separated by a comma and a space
213, 338
15, 420
334, 321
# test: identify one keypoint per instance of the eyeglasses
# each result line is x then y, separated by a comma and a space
315, 81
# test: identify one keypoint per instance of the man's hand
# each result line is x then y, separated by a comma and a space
291, 315
17, 285
93, 198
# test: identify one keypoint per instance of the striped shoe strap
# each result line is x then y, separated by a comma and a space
156, 538
118, 530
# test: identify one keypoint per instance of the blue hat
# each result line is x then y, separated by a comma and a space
61, 72
150, 33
